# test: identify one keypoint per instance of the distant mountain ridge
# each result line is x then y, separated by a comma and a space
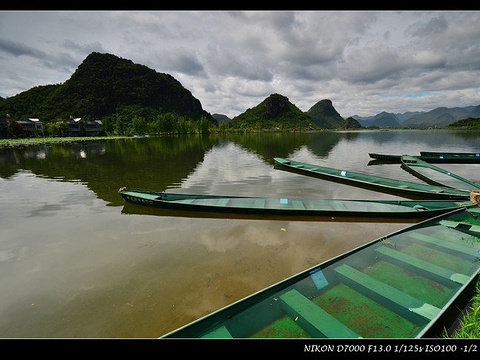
441, 116
121, 93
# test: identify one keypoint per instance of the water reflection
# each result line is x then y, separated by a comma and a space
74, 265
184, 161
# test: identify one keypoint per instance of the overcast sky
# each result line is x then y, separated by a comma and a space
366, 62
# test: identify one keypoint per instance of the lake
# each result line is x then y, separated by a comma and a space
76, 262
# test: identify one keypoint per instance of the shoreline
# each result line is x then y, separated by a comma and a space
12, 143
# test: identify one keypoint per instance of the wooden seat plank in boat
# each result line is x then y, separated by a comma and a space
425, 266
408, 306
298, 205
433, 240
460, 225
220, 333
314, 319
259, 203
223, 202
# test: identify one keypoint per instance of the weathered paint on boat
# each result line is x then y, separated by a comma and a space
412, 283
372, 182
287, 206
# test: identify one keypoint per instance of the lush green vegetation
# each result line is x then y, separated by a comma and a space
324, 115
275, 112
116, 91
469, 327
470, 123
131, 99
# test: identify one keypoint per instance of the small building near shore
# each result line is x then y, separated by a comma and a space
80, 127
32, 126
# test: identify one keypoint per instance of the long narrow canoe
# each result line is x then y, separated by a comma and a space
372, 182
432, 157
436, 175
412, 283
440, 156
293, 206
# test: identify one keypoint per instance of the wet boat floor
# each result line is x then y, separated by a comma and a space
366, 316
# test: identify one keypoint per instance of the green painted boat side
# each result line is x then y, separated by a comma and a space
432, 157
372, 182
292, 206
412, 283
436, 175
441, 156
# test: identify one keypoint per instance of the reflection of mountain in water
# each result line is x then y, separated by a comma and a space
105, 166
322, 143
425, 138
270, 145
161, 163
149, 163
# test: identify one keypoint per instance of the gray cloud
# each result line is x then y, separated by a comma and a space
18, 49
364, 61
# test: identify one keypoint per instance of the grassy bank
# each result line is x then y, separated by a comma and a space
52, 140
469, 327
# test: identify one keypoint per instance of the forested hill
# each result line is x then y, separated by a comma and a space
276, 111
105, 85
325, 116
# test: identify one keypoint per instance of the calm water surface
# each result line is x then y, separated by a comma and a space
76, 262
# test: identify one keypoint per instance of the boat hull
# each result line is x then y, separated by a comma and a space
412, 283
432, 157
435, 175
371, 182
292, 207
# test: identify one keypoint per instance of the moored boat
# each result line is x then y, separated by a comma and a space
294, 207
412, 283
373, 182
436, 175
442, 155
430, 156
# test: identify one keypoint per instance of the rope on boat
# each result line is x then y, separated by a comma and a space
475, 196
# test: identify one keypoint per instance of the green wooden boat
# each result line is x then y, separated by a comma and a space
431, 157
439, 156
292, 206
372, 182
436, 175
412, 283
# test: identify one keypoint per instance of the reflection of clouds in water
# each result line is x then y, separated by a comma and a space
35, 196
226, 165
14, 254
256, 232
303, 155
231, 170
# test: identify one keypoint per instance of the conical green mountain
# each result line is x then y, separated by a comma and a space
275, 112
105, 85
324, 115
